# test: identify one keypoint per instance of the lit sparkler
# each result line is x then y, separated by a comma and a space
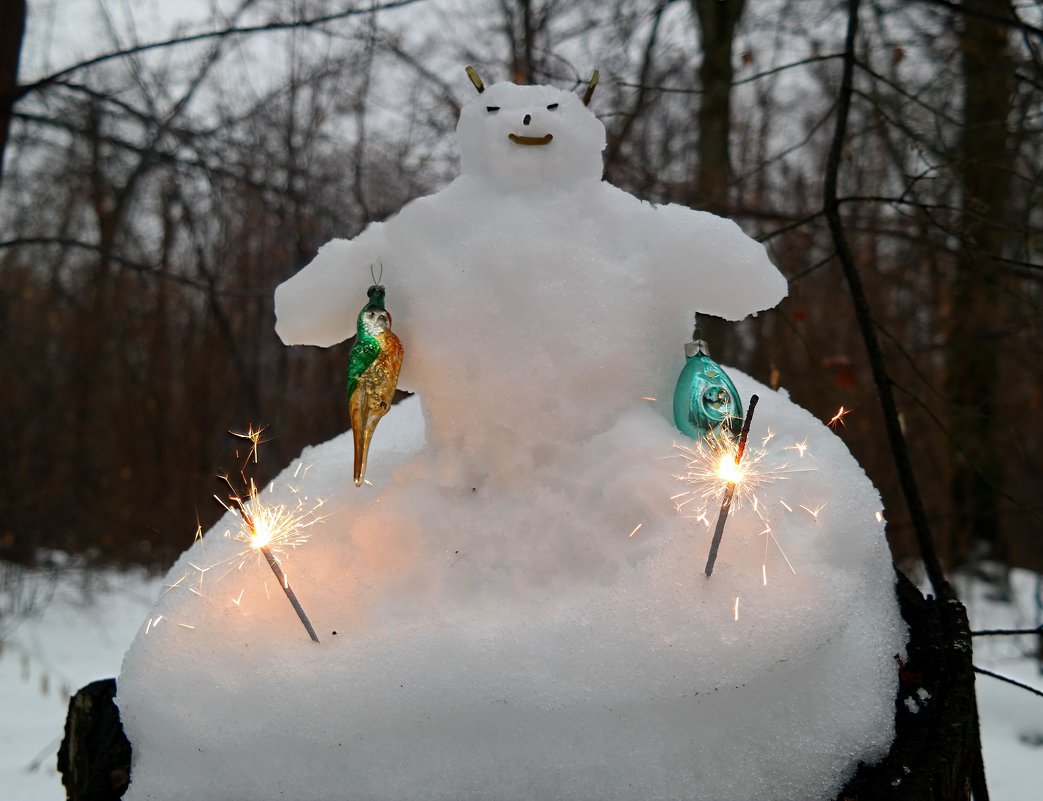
732, 473
712, 472
266, 527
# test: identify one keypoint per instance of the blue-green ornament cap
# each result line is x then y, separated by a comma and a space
705, 399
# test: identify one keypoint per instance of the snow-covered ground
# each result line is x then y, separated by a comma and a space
80, 636
92, 618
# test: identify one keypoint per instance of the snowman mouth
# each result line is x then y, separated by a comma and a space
530, 140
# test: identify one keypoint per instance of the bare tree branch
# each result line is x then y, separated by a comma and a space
1008, 680
280, 25
864, 315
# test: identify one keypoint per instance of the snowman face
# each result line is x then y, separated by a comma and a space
530, 137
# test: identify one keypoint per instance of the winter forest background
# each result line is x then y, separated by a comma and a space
151, 202
166, 167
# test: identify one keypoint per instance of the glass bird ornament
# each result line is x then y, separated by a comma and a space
705, 399
373, 368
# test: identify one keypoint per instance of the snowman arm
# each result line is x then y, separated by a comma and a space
320, 304
711, 266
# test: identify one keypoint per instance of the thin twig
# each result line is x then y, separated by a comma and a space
1009, 680
1006, 632
864, 315
283, 25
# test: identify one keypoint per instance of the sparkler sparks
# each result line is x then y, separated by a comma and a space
254, 435
733, 475
268, 527
712, 471
838, 418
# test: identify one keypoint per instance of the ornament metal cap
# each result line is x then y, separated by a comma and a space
696, 347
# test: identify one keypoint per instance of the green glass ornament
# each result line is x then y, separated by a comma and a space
705, 399
373, 367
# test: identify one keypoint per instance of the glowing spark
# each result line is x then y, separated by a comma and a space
736, 608
636, 528
786, 505
814, 512
186, 626
764, 574
767, 438
839, 417
879, 517
254, 435
649, 398
799, 447
148, 627
238, 601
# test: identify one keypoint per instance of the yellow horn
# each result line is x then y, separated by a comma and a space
472, 73
590, 88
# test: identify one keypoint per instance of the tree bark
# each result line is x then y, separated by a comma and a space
94, 758
718, 20
973, 364
12, 30
935, 755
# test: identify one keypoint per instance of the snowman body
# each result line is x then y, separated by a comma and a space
586, 291
516, 608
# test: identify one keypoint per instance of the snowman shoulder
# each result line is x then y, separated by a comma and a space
320, 304
711, 261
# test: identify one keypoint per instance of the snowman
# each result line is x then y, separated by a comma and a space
588, 290
512, 606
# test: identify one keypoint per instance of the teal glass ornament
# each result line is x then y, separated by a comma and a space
705, 399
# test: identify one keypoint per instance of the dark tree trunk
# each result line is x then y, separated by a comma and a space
12, 29
935, 755
718, 20
94, 758
974, 380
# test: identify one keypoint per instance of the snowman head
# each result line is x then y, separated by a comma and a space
529, 137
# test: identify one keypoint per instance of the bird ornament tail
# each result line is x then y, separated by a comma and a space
373, 368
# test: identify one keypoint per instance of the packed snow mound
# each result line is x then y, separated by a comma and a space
515, 608
514, 642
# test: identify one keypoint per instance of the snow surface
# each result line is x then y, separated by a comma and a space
84, 632
79, 636
494, 622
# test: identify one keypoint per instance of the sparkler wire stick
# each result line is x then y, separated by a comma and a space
726, 504
285, 584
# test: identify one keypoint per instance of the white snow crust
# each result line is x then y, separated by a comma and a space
502, 630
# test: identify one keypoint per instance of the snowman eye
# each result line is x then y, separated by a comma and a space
492, 109
552, 106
